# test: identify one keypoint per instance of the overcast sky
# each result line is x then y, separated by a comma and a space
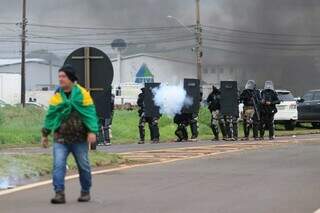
297, 17
288, 15
282, 16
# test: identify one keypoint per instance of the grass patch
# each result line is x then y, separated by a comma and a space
21, 127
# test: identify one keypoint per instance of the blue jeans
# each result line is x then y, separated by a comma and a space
80, 154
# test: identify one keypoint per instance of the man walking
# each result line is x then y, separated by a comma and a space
72, 119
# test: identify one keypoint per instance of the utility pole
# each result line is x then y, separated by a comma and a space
199, 52
23, 53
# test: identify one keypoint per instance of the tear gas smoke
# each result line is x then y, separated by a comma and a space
171, 99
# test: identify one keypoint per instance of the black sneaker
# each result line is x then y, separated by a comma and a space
84, 197
59, 198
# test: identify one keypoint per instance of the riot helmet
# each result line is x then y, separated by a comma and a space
251, 84
269, 85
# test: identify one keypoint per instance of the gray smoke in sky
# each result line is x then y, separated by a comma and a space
294, 68
171, 99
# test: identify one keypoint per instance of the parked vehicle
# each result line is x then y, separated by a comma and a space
287, 110
309, 108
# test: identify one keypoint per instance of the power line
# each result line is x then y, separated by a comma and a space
108, 28
262, 43
263, 33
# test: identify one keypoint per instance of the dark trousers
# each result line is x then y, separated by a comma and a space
267, 122
194, 125
181, 132
153, 127
104, 133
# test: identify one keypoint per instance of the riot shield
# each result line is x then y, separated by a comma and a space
151, 110
192, 87
229, 99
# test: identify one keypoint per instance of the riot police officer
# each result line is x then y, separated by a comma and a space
213, 101
250, 97
105, 132
269, 99
193, 121
152, 121
108, 123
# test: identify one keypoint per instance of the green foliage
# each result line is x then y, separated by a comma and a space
1, 117
21, 127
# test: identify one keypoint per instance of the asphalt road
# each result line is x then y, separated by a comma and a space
121, 148
282, 179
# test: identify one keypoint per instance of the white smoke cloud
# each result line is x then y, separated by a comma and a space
171, 99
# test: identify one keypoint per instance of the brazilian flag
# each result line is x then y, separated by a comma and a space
60, 108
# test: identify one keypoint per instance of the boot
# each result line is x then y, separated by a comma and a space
154, 133
142, 134
155, 141
59, 198
215, 132
84, 197
246, 129
271, 133
193, 138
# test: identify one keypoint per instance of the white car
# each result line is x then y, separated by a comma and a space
287, 110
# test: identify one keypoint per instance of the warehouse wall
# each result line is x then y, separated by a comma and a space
36, 74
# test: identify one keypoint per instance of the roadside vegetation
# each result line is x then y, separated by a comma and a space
21, 127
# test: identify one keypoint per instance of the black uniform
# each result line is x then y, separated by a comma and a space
185, 119
194, 122
105, 132
251, 100
213, 101
182, 120
268, 110
231, 125
152, 121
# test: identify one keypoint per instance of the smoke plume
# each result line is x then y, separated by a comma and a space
171, 99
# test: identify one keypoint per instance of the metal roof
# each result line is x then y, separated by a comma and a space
14, 61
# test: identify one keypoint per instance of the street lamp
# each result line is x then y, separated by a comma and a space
182, 24
198, 35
